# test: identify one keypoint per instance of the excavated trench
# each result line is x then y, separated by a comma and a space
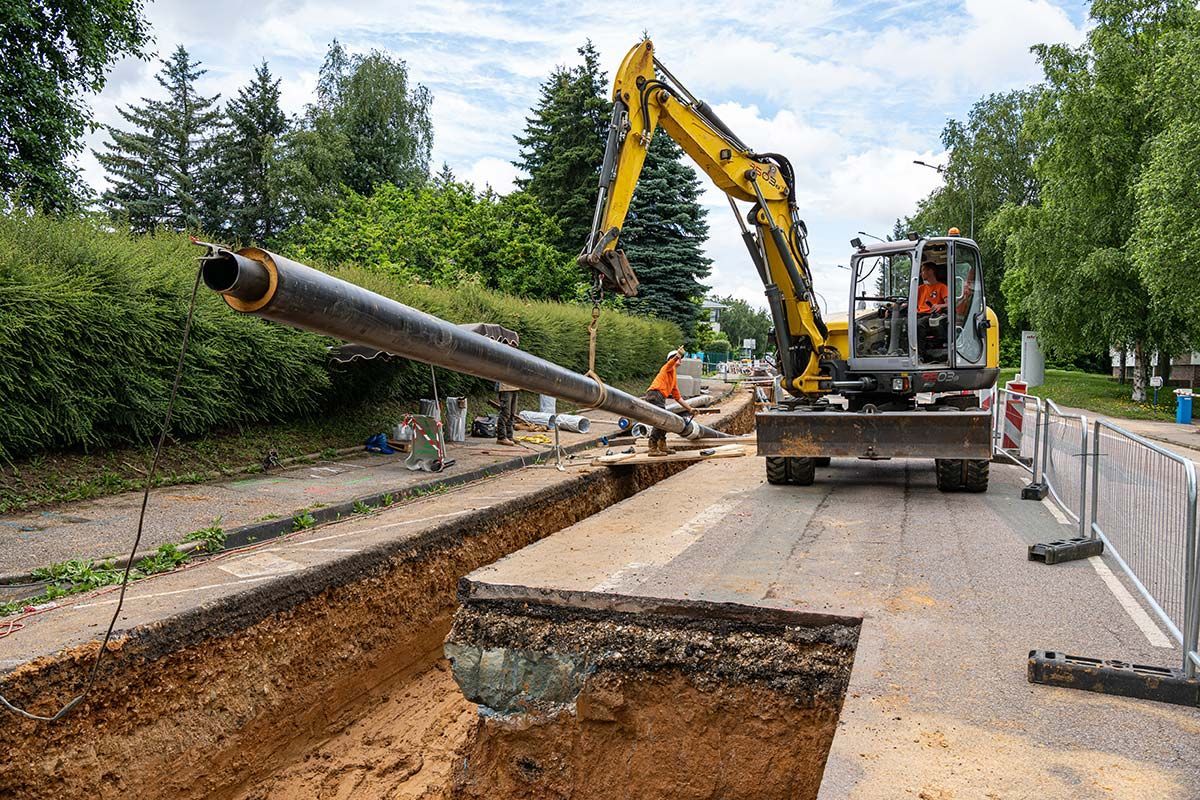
338, 686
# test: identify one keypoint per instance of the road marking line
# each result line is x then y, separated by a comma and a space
1132, 607
385, 527
129, 598
1056, 511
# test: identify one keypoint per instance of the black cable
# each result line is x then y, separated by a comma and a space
137, 540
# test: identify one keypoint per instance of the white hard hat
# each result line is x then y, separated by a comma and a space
674, 351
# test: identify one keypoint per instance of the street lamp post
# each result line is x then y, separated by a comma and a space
941, 170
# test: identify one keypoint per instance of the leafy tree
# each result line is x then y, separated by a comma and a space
161, 172
249, 152
1070, 270
990, 165
368, 126
741, 321
444, 235
563, 145
664, 237
52, 54
1165, 246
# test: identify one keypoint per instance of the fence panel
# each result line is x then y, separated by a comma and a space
1064, 462
1144, 509
1016, 427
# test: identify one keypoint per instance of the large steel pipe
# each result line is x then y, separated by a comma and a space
255, 281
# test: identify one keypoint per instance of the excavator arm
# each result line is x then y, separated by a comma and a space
645, 97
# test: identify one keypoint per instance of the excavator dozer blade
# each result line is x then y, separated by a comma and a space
894, 434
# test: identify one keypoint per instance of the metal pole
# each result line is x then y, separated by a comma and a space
254, 281
1083, 459
1095, 477
1191, 628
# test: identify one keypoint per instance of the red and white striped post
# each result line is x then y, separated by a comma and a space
1014, 416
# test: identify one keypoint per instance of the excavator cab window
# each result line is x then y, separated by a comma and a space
932, 319
881, 290
968, 310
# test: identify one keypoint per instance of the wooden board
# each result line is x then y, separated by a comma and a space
675, 442
631, 459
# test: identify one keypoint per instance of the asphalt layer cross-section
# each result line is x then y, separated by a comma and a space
939, 707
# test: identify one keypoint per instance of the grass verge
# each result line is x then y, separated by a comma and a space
1102, 394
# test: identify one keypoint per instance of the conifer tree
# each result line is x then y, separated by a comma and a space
664, 237
161, 171
563, 145
247, 176
369, 126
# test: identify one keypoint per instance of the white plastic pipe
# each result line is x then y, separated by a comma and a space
565, 422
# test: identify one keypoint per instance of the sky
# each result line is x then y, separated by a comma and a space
851, 92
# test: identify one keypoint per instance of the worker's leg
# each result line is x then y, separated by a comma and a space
504, 420
658, 437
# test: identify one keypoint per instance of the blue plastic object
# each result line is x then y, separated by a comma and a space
379, 444
1183, 409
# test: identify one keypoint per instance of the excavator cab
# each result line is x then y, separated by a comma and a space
918, 320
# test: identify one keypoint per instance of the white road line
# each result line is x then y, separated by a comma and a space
1132, 607
1056, 511
320, 550
385, 527
673, 544
129, 598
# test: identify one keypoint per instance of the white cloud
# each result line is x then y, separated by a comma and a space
851, 91
497, 173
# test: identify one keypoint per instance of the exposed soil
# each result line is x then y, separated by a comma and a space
404, 746
280, 690
628, 698
655, 735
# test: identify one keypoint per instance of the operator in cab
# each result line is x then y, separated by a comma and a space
932, 293
664, 386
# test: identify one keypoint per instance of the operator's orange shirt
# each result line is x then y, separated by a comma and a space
929, 295
665, 381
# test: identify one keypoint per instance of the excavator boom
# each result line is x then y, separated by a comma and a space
645, 97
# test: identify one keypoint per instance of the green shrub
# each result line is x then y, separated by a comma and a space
91, 321
90, 327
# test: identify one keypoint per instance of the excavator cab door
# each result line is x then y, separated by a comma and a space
881, 302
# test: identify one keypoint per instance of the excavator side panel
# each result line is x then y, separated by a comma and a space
894, 434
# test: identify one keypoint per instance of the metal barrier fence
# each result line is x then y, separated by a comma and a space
1064, 462
1147, 520
1143, 501
1016, 429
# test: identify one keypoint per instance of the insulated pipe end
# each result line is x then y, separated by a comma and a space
246, 279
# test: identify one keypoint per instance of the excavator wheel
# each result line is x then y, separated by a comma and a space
962, 474
949, 474
975, 476
777, 472
801, 471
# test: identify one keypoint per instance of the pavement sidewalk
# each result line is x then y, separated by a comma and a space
256, 506
1181, 439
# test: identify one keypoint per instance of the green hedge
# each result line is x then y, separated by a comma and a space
90, 326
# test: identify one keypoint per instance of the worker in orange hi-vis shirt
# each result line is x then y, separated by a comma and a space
932, 293
664, 386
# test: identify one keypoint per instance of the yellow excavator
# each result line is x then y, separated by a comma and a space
894, 377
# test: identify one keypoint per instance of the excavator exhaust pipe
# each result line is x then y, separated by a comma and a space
255, 281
